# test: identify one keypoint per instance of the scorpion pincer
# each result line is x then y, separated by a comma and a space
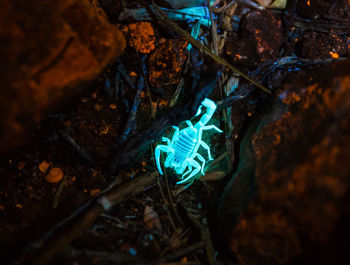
182, 149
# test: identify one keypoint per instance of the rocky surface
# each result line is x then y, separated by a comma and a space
166, 62
320, 45
292, 184
315, 9
259, 39
47, 49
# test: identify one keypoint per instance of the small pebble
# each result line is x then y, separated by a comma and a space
98, 107
112, 106
55, 175
21, 165
184, 260
67, 123
44, 166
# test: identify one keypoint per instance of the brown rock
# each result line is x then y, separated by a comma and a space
320, 45
292, 184
340, 9
166, 62
21, 165
313, 8
141, 36
44, 166
261, 35
46, 50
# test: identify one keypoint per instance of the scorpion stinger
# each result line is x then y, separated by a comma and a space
182, 149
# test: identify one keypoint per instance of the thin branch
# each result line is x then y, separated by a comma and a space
205, 49
183, 252
86, 215
143, 72
79, 150
131, 123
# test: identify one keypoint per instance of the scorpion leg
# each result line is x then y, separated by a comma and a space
205, 146
189, 123
188, 171
163, 148
209, 127
201, 158
197, 166
169, 159
183, 167
167, 140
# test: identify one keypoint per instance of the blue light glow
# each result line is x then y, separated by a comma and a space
182, 148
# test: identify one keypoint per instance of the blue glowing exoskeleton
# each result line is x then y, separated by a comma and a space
182, 149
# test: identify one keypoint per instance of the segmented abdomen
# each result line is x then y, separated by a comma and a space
185, 145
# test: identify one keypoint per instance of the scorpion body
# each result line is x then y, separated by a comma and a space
182, 149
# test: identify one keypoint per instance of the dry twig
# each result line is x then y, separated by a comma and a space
205, 49
184, 252
86, 215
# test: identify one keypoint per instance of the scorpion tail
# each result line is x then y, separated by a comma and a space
211, 107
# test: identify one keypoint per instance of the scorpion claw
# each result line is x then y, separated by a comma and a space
199, 111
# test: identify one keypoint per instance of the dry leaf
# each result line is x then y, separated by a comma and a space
151, 219
227, 16
278, 4
176, 239
264, 3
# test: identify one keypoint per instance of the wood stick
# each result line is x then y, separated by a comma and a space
205, 49
85, 216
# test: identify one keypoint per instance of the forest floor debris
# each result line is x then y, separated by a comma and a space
100, 148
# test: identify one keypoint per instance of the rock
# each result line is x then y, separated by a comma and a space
320, 45
316, 9
21, 165
44, 166
291, 188
261, 35
340, 9
166, 63
47, 49
141, 36
55, 175
313, 9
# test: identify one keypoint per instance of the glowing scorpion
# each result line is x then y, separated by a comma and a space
182, 149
